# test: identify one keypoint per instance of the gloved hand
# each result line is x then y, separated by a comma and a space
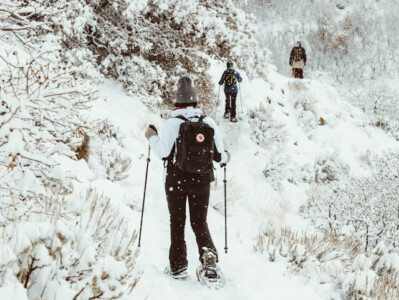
227, 159
151, 131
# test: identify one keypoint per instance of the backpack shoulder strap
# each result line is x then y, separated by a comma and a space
201, 118
182, 118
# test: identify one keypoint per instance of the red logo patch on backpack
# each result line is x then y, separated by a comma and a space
200, 137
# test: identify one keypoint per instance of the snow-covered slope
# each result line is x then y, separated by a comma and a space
243, 268
280, 130
290, 134
72, 179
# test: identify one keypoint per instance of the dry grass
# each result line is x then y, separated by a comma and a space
366, 158
386, 287
116, 164
82, 151
334, 257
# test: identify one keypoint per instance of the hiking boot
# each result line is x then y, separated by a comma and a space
209, 273
233, 119
180, 274
226, 115
208, 259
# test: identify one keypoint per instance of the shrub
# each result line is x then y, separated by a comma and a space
122, 40
79, 254
337, 260
367, 206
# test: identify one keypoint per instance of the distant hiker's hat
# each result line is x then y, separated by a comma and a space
186, 91
229, 64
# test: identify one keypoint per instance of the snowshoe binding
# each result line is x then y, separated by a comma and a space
233, 119
226, 115
180, 274
209, 273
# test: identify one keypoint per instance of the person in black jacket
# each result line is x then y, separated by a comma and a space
229, 79
298, 60
180, 185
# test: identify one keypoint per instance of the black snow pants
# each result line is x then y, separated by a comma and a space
231, 103
198, 200
298, 73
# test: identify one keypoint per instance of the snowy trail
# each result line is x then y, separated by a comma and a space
249, 275
252, 203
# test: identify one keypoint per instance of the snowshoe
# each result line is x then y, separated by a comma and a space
180, 275
234, 120
226, 115
209, 273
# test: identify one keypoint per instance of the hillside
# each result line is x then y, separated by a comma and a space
350, 45
311, 184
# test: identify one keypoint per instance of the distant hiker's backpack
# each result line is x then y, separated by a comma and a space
194, 146
230, 80
298, 54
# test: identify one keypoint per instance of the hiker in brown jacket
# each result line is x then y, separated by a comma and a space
298, 60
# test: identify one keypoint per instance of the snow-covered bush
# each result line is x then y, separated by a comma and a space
381, 104
329, 168
43, 108
280, 169
106, 154
267, 132
116, 164
277, 168
72, 253
54, 241
363, 208
149, 46
333, 259
270, 134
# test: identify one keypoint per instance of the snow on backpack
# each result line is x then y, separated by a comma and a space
194, 146
298, 54
230, 79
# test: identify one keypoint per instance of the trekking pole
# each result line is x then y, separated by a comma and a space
145, 188
217, 104
218, 96
225, 211
242, 111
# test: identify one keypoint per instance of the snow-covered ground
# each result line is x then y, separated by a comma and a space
69, 221
249, 275
253, 203
284, 126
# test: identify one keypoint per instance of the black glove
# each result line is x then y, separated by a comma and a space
222, 165
150, 132
153, 128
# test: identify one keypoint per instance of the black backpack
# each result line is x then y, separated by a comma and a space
230, 80
194, 146
298, 54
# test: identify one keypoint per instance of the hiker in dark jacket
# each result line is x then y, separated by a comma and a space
298, 60
180, 185
229, 79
